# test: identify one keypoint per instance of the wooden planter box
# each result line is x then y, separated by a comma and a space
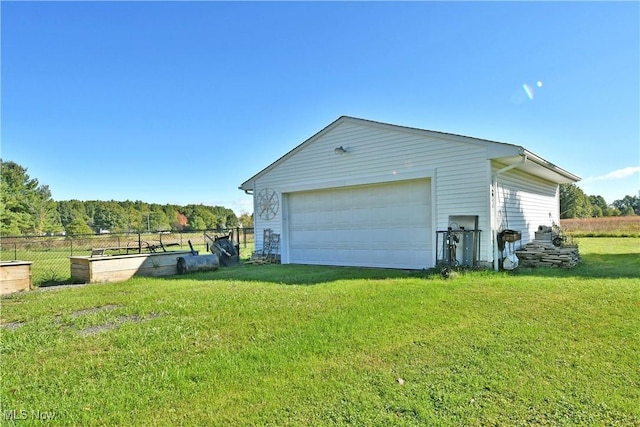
511, 236
117, 268
15, 276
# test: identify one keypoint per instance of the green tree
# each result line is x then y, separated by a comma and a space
222, 218
131, 216
629, 205
109, 216
44, 212
627, 211
196, 223
246, 220
78, 226
231, 220
574, 203
599, 206
200, 217
26, 206
159, 218
155, 219
68, 210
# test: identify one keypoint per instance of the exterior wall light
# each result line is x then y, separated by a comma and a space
340, 150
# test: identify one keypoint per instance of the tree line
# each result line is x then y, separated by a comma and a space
574, 203
27, 208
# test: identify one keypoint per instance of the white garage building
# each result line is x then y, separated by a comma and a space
364, 193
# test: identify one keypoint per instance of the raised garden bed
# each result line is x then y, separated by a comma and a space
117, 268
15, 276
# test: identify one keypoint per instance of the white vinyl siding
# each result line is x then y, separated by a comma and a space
370, 151
462, 188
525, 202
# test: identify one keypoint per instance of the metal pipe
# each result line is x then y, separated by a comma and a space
511, 166
494, 235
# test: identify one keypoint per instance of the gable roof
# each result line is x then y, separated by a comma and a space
508, 154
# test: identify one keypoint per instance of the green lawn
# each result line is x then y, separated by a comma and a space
302, 345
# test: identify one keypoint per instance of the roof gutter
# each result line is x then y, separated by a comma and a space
553, 168
521, 162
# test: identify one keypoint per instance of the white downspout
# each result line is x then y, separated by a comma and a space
494, 226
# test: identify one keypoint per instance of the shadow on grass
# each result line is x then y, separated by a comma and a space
593, 266
294, 274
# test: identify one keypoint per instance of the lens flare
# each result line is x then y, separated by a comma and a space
528, 90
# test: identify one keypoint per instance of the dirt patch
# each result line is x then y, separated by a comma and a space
97, 329
61, 286
11, 326
93, 330
94, 310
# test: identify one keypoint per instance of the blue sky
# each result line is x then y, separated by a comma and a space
176, 102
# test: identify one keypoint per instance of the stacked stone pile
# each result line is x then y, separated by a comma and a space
545, 254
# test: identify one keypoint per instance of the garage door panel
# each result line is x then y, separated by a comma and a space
383, 225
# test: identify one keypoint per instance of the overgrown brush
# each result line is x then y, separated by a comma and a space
613, 226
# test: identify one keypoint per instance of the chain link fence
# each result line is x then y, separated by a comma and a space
50, 254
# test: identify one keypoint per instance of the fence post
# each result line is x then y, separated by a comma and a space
71, 242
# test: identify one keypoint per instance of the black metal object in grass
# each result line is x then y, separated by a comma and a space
193, 263
224, 248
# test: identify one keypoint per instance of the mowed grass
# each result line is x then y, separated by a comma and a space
304, 345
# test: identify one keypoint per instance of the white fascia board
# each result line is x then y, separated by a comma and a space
562, 176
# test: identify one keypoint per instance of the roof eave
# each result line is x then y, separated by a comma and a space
563, 176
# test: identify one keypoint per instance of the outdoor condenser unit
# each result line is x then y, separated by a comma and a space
469, 248
459, 245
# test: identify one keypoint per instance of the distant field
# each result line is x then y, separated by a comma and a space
616, 226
